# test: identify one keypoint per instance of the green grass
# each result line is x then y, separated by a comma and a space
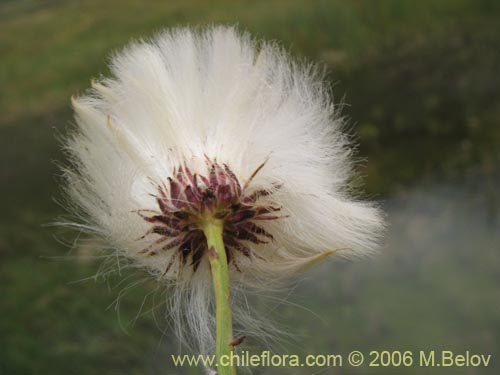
50, 51
422, 84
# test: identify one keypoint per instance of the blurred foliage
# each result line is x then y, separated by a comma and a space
422, 92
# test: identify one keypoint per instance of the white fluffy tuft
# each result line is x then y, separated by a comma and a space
187, 95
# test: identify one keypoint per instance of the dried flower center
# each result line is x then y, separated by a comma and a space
189, 199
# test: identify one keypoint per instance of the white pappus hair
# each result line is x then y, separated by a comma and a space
204, 103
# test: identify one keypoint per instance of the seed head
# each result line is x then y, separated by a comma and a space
198, 125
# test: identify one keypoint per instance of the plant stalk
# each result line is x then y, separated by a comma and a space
213, 229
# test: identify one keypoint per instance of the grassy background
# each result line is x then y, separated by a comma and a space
422, 84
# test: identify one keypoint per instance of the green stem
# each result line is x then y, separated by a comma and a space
213, 230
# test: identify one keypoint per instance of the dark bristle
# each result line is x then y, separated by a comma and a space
186, 198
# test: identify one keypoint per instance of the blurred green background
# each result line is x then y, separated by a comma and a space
422, 84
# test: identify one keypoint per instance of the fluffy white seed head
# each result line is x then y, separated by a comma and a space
188, 100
